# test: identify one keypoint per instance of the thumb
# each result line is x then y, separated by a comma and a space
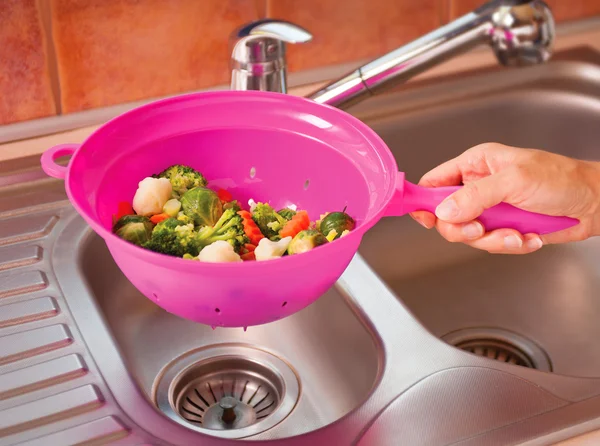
473, 198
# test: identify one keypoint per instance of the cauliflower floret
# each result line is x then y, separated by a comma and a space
219, 251
267, 249
151, 195
252, 205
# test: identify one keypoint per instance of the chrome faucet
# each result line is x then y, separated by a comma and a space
258, 54
521, 32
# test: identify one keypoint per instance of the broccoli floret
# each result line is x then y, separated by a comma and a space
184, 218
182, 178
173, 237
287, 213
229, 228
268, 221
232, 205
135, 229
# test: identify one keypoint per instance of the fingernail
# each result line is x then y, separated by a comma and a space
512, 242
422, 223
534, 243
447, 209
473, 230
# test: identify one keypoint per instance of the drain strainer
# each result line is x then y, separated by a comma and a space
228, 391
500, 345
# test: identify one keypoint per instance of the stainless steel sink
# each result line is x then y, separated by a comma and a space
550, 298
333, 354
420, 342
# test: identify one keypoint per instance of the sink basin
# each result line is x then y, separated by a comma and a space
333, 355
541, 310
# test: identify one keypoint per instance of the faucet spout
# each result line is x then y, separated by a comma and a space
521, 32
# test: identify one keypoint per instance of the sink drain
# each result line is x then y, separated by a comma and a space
500, 345
227, 391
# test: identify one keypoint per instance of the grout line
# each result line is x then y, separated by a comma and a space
444, 11
452, 9
45, 12
261, 8
269, 9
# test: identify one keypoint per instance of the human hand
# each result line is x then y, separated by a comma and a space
532, 180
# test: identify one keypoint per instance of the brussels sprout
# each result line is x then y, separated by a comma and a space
305, 241
338, 222
202, 205
135, 229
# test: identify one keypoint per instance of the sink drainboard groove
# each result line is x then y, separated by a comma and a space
24, 241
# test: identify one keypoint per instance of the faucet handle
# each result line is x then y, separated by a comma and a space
258, 54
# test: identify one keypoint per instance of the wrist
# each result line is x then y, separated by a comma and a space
593, 179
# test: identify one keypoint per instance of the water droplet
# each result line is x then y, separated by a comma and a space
155, 297
213, 327
245, 328
306, 184
252, 172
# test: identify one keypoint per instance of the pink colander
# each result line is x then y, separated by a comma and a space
265, 146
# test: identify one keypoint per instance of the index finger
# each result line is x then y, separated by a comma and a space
446, 174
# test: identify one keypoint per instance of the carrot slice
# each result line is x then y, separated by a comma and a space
156, 219
299, 222
248, 256
224, 195
250, 228
249, 247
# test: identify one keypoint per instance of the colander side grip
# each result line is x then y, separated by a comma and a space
48, 160
409, 197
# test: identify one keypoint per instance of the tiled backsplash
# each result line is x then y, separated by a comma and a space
25, 89
63, 56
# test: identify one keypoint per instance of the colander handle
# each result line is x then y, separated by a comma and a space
409, 198
48, 160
